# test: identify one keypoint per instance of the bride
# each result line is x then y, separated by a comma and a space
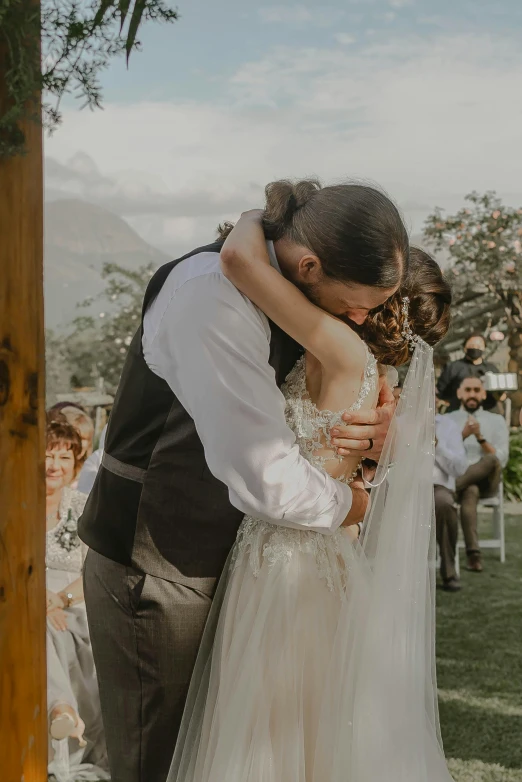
317, 661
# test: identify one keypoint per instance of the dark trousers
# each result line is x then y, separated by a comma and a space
480, 480
145, 634
447, 530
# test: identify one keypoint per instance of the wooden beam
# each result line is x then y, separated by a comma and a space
23, 718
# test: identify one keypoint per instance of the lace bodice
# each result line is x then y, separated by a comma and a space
312, 426
265, 542
63, 547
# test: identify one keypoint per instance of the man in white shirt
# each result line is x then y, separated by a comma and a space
198, 438
486, 440
450, 463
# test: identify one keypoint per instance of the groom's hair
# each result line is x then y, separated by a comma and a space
354, 229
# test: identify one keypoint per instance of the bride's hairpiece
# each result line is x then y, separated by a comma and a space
407, 333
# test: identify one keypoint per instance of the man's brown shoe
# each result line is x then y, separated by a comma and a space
475, 562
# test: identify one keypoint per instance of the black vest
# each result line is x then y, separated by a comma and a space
155, 505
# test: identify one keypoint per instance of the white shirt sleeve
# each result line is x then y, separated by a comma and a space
89, 472
212, 347
450, 453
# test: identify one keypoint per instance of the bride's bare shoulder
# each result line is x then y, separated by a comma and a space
347, 351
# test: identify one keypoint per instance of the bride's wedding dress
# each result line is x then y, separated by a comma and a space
317, 660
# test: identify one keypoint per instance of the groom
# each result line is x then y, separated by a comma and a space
197, 438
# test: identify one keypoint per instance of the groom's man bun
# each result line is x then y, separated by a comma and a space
283, 199
354, 229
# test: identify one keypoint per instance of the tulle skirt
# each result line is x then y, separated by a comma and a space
274, 696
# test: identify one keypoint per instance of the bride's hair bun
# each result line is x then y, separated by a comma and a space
429, 314
283, 199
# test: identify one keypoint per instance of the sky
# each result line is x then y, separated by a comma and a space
421, 96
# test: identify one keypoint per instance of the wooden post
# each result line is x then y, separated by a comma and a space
23, 718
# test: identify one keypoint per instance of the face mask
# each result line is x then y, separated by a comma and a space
474, 353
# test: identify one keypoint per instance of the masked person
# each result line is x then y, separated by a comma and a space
472, 365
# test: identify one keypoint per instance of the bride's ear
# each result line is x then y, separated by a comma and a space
309, 269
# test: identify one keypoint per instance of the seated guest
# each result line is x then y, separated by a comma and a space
84, 425
450, 463
72, 690
486, 440
471, 365
92, 465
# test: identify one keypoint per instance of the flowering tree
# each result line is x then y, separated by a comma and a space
484, 240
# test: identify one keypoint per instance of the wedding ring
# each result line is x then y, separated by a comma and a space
370, 447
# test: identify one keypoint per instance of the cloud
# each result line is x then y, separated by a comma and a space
400, 3
344, 39
278, 14
132, 193
300, 15
428, 118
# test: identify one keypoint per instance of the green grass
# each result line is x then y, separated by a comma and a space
479, 665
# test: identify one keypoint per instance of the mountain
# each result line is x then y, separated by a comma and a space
79, 239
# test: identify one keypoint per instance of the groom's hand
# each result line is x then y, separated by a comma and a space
365, 426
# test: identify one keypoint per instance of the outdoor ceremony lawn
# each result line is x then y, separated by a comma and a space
479, 662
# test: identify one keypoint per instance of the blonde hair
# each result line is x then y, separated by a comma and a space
82, 423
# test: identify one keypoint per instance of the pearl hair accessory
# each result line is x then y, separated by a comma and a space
407, 333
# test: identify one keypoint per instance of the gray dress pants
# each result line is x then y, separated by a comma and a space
480, 480
145, 633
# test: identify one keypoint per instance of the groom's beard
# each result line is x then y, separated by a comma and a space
312, 292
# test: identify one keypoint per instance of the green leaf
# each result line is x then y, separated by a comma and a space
102, 10
123, 8
134, 24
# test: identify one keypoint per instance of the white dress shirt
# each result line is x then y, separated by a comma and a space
211, 345
450, 455
492, 426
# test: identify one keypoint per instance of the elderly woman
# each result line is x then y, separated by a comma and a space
72, 690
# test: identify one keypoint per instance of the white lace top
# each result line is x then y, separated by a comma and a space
273, 543
312, 426
63, 549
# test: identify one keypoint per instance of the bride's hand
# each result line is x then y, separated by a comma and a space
53, 601
244, 248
